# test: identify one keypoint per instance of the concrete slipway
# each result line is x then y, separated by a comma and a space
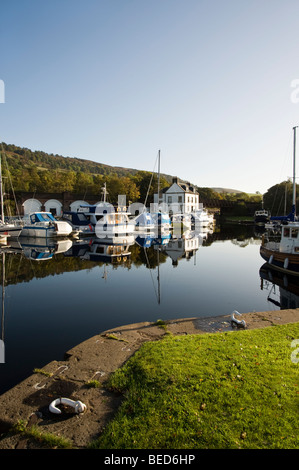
97, 358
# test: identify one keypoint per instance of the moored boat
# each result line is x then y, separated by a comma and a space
115, 223
162, 221
202, 218
283, 255
44, 225
10, 230
79, 223
261, 217
144, 222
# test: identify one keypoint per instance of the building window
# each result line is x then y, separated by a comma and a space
169, 199
180, 199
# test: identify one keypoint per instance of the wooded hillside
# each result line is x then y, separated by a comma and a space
38, 171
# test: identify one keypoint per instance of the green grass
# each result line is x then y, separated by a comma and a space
93, 384
43, 438
229, 390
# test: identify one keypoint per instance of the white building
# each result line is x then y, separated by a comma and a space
180, 197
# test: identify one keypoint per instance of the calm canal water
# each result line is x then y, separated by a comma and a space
59, 295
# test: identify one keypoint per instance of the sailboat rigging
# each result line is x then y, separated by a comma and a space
6, 229
284, 255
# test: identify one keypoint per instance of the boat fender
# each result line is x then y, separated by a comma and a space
271, 259
238, 322
286, 263
78, 405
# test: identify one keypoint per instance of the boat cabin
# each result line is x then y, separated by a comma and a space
289, 238
41, 217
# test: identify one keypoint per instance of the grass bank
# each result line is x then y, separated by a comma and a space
229, 390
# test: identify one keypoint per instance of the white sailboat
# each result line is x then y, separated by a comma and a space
95, 212
110, 222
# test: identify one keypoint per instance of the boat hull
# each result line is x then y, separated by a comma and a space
49, 231
36, 232
13, 232
261, 220
284, 262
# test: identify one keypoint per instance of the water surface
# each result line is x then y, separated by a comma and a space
60, 295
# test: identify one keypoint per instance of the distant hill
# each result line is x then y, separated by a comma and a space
41, 171
226, 190
24, 157
38, 171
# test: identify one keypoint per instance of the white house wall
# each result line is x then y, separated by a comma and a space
179, 200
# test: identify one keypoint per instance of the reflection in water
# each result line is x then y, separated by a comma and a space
2, 343
184, 247
38, 249
110, 250
89, 285
283, 290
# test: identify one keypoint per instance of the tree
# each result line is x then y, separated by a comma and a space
279, 198
148, 185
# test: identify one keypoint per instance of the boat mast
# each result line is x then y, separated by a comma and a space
158, 179
104, 191
158, 277
294, 176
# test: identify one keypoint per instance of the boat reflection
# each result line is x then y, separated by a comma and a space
39, 249
114, 249
283, 289
109, 249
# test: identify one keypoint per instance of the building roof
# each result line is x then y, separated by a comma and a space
185, 186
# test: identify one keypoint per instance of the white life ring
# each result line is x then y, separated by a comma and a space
238, 322
78, 405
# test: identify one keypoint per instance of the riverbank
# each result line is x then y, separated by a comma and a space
92, 362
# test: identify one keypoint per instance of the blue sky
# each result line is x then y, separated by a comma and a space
208, 82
